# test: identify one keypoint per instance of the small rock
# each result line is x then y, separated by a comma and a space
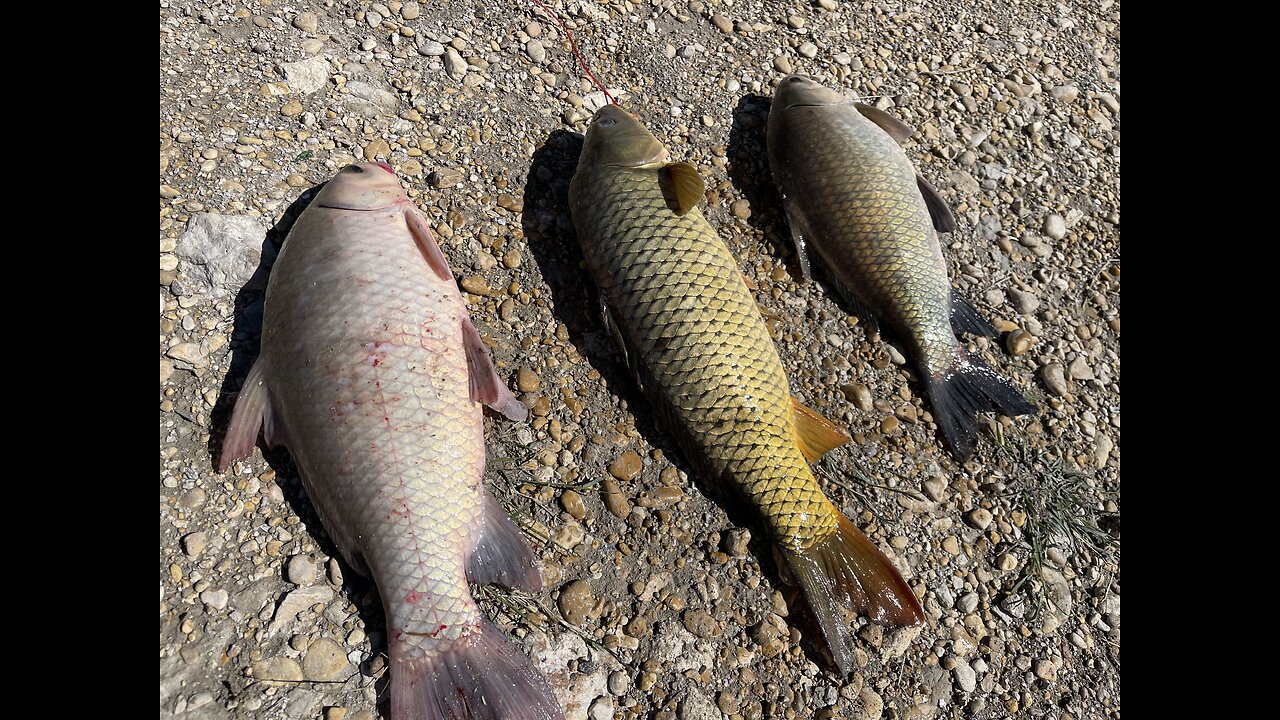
700, 623
572, 503
410, 10
967, 603
576, 601
966, 678
446, 178
627, 466
325, 661
375, 149
535, 51
736, 542
306, 21
1065, 93
431, 48
335, 713
1055, 378
979, 518
614, 500
1007, 561
859, 395
619, 682
889, 424
1102, 451
454, 66
374, 97
1019, 342
1025, 302
292, 108
722, 23
569, 536
1079, 369
741, 209
898, 640
697, 706
808, 50
935, 488
511, 203
782, 64
216, 599
1046, 670
301, 570
476, 285
1055, 226
194, 544
278, 669
306, 76
297, 601
189, 353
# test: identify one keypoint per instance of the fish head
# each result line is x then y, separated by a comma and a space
361, 186
800, 91
615, 137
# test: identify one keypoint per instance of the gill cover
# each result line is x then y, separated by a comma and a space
615, 137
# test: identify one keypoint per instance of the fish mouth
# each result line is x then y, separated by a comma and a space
818, 104
354, 209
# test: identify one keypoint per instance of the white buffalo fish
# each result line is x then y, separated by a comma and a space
372, 375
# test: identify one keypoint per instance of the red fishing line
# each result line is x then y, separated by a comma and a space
576, 54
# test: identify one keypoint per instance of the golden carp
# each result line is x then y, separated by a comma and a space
851, 193
373, 376
700, 350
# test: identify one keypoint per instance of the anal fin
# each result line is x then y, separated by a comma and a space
502, 555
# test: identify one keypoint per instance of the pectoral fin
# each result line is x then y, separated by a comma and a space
252, 413
427, 244
939, 210
815, 435
898, 130
630, 355
684, 187
486, 386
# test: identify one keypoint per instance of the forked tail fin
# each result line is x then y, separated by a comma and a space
967, 387
847, 571
487, 678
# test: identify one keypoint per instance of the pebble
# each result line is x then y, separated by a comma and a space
627, 466
619, 682
410, 10
335, 713
741, 209
377, 148
1055, 378
722, 23
700, 623
1102, 451
1079, 369
189, 353
535, 51
614, 499
325, 661
301, 570
1025, 302
279, 669
737, 541
194, 544
476, 285
1019, 342
935, 488
292, 108
306, 76
454, 66
1055, 226
966, 678
1065, 93
446, 178
572, 503
1046, 670
979, 518
967, 603
576, 601
216, 599
526, 379
511, 203
808, 50
431, 48
782, 64
306, 21
859, 395
1007, 561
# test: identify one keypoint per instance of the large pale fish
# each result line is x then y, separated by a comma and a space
372, 375
694, 337
851, 194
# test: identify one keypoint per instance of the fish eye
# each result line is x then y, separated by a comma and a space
606, 122
355, 168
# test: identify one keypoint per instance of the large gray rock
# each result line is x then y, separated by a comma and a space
306, 76
219, 253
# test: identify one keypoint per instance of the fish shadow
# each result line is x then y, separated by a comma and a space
246, 345
748, 169
552, 241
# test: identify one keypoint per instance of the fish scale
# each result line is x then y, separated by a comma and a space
852, 195
677, 292
695, 340
373, 376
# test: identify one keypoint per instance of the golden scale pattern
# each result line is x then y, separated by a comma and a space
710, 367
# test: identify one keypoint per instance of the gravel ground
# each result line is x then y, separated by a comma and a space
660, 601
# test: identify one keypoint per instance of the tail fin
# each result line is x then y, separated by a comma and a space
846, 571
485, 679
969, 386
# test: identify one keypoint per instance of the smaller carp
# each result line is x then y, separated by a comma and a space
851, 192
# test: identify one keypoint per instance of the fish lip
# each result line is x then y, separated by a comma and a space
356, 209
803, 104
